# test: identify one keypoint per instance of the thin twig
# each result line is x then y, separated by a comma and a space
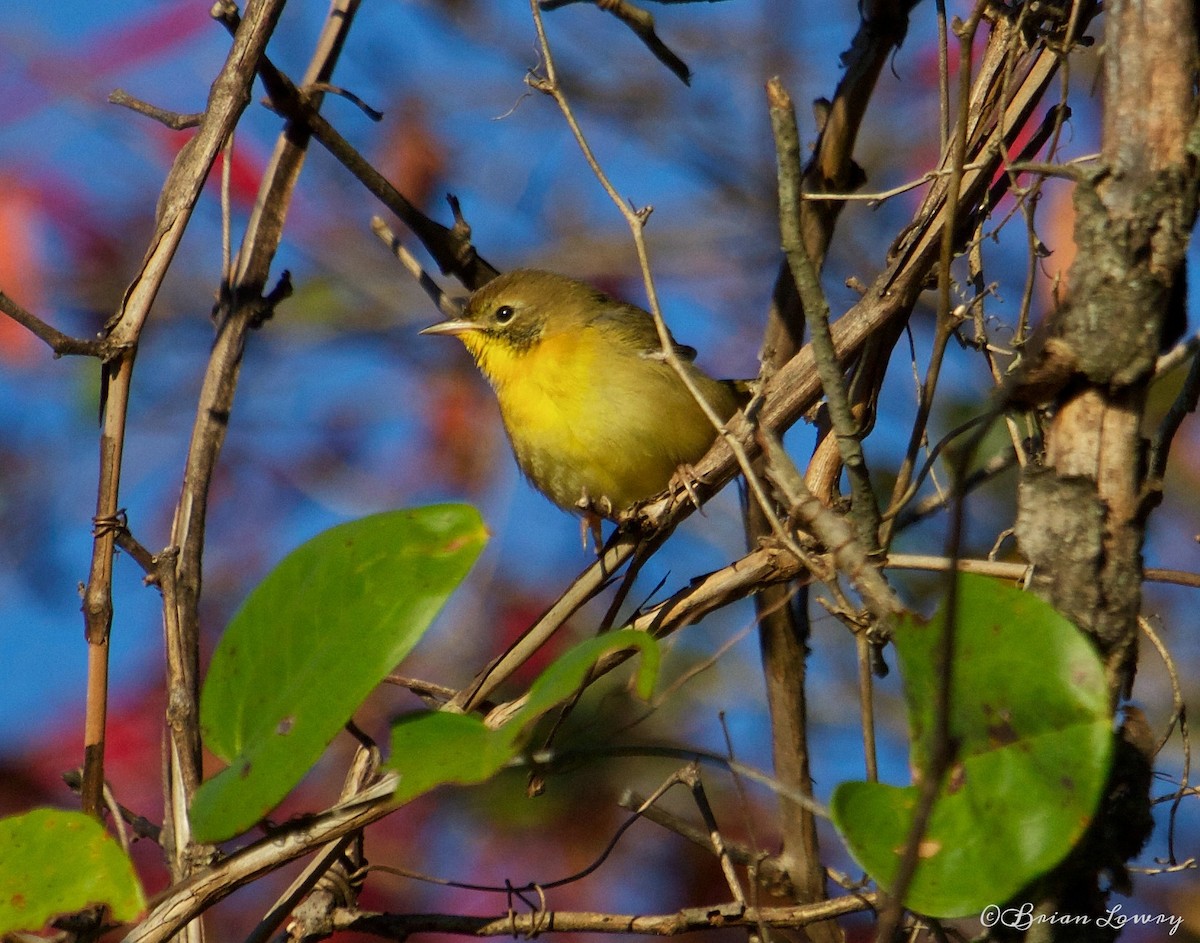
941, 753
641, 23
943, 77
1178, 704
415, 269
590, 582
327, 88
1178, 716
62, 344
1183, 405
142, 827
691, 778
636, 220
863, 508
875, 198
174, 120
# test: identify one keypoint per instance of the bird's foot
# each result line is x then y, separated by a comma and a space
684, 479
593, 514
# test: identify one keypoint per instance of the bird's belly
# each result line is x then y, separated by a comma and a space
606, 452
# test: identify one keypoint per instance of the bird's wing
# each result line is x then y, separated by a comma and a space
638, 331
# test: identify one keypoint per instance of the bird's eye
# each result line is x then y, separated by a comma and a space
504, 314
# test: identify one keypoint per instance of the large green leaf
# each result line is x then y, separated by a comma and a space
55, 862
1029, 712
438, 748
312, 641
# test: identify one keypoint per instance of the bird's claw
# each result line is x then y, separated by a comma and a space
684, 480
593, 513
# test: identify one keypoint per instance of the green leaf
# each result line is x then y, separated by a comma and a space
1029, 711
569, 671
438, 748
55, 862
313, 639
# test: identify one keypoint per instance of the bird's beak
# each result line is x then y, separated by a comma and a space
454, 326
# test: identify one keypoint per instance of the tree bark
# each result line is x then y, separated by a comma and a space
1083, 506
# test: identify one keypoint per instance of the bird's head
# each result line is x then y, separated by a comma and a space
513, 313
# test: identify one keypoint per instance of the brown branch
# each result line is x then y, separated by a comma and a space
794, 389
1183, 405
431, 288
241, 309
174, 120
450, 247
187, 899
228, 98
689, 920
806, 278
772, 564
62, 344
619, 549
641, 23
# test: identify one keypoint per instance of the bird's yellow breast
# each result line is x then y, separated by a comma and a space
596, 423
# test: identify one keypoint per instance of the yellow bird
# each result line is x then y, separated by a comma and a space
597, 418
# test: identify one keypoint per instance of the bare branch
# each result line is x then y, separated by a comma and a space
229, 97
642, 24
174, 120
690, 920
62, 344
451, 248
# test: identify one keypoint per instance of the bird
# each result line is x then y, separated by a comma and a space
598, 419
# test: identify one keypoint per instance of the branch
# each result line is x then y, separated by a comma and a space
642, 24
689, 920
228, 99
62, 344
816, 313
450, 248
242, 308
794, 390
184, 901
171, 119
414, 268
